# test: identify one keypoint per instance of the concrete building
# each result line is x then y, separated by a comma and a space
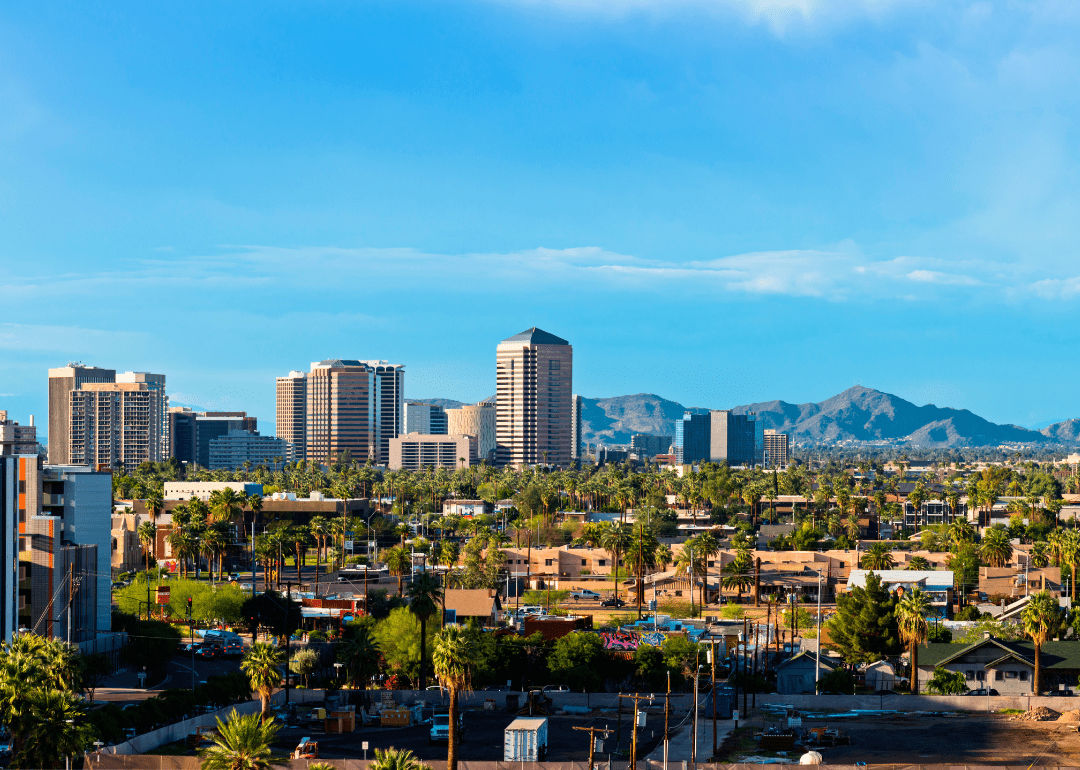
475, 420
19, 487
17, 439
416, 451
211, 425
775, 449
534, 379
292, 413
649, 446
938, 585
231, 451
187, 490
155, 383
576, 440
932, 512
354, 406
732, 438
112, 425
61, 382
183, 433
425, 418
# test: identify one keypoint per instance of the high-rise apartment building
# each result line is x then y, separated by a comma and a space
646, 445
292, 412
17, 439
424, 418
389, 406
534, 379
576, 441
155, 383
19, 493
113, 424
475, 420
61, 382
775, 448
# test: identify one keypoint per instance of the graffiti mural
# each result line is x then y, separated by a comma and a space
629, 640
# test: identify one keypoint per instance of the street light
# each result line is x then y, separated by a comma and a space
337, 671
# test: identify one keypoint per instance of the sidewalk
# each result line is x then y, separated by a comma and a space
680, 748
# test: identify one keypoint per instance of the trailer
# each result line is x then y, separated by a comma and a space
526, 740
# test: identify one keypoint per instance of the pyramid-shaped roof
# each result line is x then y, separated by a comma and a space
536, 336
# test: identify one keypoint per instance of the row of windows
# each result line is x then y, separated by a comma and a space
999, 676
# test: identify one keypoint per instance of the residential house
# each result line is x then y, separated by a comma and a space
798, 675
1008, 667
938, 585
464, 604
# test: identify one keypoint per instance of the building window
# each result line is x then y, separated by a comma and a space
712, 564
584, 562
1023, 676
547, 562
980, 675
969, 675
678, 593
603, 562
999, 676
1010, 675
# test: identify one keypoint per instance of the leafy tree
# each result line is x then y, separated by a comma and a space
945, 682
93, 668
398, 637
864, 627
272, 611
839, 680
573, 658
243, 742
938, 634
304, 662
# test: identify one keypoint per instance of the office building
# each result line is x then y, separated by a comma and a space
231, 451
354, 406
424, 418
155, 383
112, 425
189, 490
211, 425
732, 438
19, 492
576, 405
692, 436
475, 420
646, 445
183, 441
61, 382
17, 439
292, 413
774, 448
417, 451
534, 380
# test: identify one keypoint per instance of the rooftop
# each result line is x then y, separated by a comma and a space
536, 336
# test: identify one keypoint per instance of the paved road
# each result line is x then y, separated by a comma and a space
124, 687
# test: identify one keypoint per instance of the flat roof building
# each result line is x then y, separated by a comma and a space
425, 418
416, 451
292, 412
112, 425
475, 420
17, 439
62, 381
240, 447
775, 449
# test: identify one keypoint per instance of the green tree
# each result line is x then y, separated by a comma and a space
304, 662
242, 742
878, 557
864, 627
453, 667
425, 593
573, 658
911, 615
738, 573
1041, 618
147, 537
53, 727
945, 682
615, 540
398, 637
399, 564
262, 664
395, 759
918, 563
996, 550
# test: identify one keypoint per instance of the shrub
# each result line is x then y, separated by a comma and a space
945, 682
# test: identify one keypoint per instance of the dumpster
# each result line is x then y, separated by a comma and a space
525, 740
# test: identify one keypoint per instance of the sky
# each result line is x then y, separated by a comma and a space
717, 201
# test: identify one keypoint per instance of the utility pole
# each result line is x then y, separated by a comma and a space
746, 641
288, 638
694, 728
667, 714
712, 658
592, 731
753, 697
71, 599
633, 732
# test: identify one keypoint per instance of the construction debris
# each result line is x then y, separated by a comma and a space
1039, 714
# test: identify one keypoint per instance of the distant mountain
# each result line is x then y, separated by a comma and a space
446, 403
857, 414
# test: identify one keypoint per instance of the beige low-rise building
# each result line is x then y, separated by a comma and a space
416, 451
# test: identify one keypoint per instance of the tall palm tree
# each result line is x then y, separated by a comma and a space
1070, 555
452, 660
243, 742
738, 573
664, 556
878, 557
996, 550
154, 503
225, 504
425, 593
1041, 618
614, 540
399, 564
641, 555
319, 527
262, 664
360, 656
147, 536
911, 614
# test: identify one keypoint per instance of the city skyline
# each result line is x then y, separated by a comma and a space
719, 202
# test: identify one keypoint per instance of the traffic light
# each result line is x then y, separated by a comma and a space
189, 607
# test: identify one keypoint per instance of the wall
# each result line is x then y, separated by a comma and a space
907, 702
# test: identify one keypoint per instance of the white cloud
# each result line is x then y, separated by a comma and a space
949, 279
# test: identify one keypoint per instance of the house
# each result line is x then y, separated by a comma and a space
938, 585
881, 675
769, 532
1017, 582
454, 507
1007, 667
464, 604
797, 675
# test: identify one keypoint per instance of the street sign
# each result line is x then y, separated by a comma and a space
163, 594
349, 534
348, 545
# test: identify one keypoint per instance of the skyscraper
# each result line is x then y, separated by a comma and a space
113, 424
475, 420
576, 405
719, 437
534, 379
292, 412
354, 405
155, 383
774, 449
61, 382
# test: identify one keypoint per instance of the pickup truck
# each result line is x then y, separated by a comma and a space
440, 727
584, 593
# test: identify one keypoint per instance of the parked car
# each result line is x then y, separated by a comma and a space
584, 593
982, 691
613, 603
1060, 693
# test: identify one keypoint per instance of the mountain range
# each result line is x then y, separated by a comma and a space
858, 414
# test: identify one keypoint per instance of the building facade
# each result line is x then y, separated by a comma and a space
692, 438
425, 418
775, 449
355, 406
17, 439
417, 451
183, 441
61, 382
155, 383
189, 490
112, 425
475, 420
576, 440
732, 438
19, 485
650, 446
292, 413
534, 379
231, 451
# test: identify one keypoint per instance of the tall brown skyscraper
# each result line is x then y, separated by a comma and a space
292, 413
61, 382
534, 378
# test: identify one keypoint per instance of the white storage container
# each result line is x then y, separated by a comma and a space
526, 740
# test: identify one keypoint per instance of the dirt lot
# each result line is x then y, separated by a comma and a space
966, 739
483, 738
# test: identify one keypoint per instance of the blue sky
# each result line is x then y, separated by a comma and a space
719, 201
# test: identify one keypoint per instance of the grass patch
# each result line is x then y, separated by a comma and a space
1006, 711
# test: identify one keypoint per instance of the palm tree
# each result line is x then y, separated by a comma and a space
319, 527
641, 554
154, 503
614, 540
738, 573
262, 663
225, 504
147, 535
996, 550
664, 556
1070, 554
360, 656
243, 742
1040, 553
918, 563
911, 614
394, 759
878, 557
399, 564
1040, 617
452, 661
425, 593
